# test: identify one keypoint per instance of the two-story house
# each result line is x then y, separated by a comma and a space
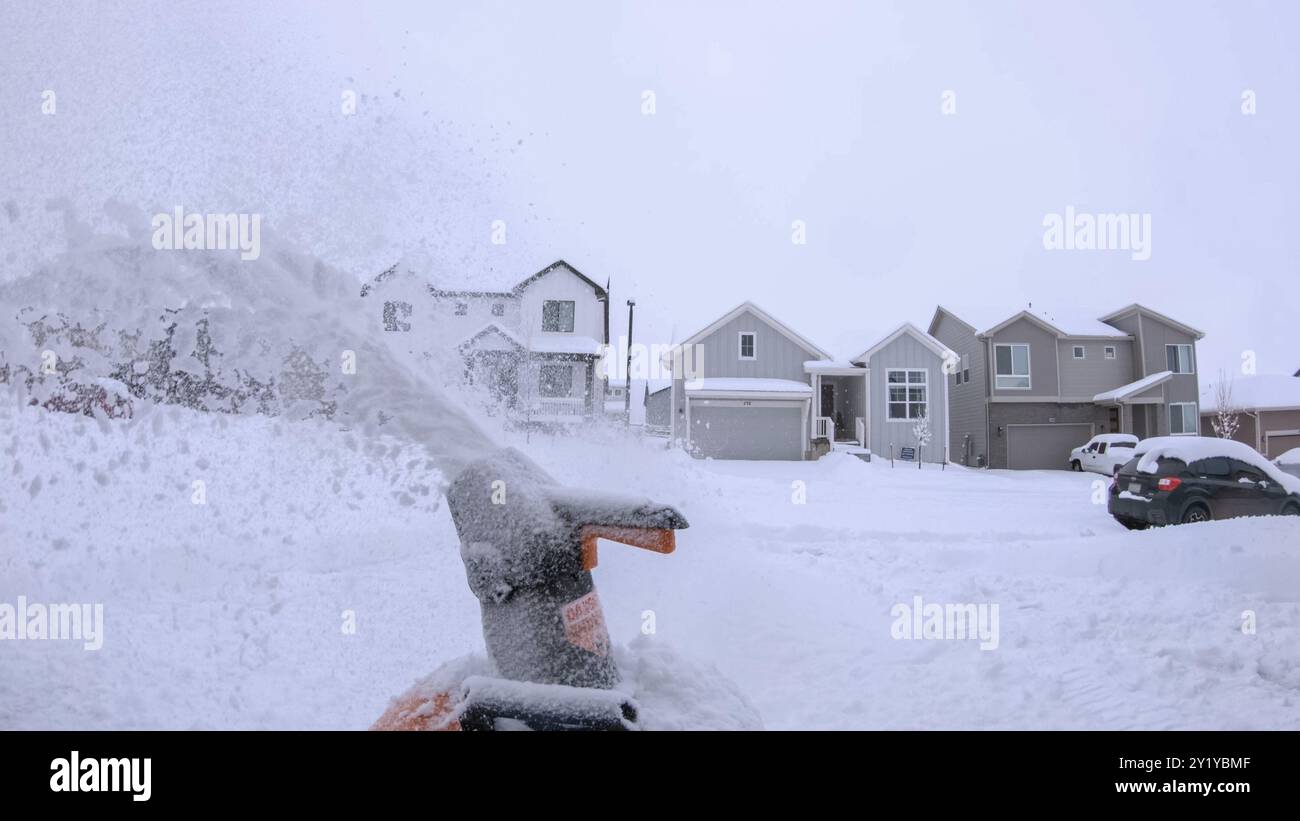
534, 346
1030, 387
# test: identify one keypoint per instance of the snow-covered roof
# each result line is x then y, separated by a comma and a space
505, 280
739, 384
564, 343
830, 366
1265, 391
1188, 449
1063, 321
1133, 388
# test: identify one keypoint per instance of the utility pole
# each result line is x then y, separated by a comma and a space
627, 380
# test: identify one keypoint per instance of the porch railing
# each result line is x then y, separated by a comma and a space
558, 406
824, 428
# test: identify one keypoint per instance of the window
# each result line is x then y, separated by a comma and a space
1179, 358
907, 393
1110, 351
1182, 419
1101, 447
394, 312
462, 308
965, 369
498, 309
557, 316
748, 345
1080, 352
1012, 366
556, 380
1214, 466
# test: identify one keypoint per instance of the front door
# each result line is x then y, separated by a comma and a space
1114, 420
828, 400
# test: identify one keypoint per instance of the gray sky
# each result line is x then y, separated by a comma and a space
766, 113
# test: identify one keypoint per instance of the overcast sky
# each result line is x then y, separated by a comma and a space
765, 113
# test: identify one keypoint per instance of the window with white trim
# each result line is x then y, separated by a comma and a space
965, 369
462, 308
557, 316
555, 381
1109, 351
1012, 363
498, 309
908, 393
1080, 352
1182, 419
1179, 358
748, 345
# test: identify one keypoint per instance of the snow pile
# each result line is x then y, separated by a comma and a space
1189, 449
670, 691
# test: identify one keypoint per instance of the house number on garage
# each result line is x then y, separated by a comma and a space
746, 404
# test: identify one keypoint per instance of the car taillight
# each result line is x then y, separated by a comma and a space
1169, 483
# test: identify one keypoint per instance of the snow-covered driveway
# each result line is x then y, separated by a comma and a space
230, 613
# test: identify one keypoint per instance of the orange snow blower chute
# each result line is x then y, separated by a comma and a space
657, 539
529, 546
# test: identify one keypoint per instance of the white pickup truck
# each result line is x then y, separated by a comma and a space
1103, 453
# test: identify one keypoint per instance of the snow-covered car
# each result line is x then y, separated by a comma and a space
1104, 453
1289, 462
1187, 479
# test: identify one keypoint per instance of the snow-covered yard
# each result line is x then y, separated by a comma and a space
229, 614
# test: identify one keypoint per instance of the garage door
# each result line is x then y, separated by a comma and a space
1038, 447
724, 429
1280, 443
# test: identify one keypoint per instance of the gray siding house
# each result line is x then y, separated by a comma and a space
1031, 387
749, 387
1268, 406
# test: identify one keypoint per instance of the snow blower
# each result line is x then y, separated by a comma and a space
529, 546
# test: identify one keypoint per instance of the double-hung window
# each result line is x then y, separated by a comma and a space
557, 316
1182, 419
1012, 363
1179, 358
908, 393
555, 381
748, 345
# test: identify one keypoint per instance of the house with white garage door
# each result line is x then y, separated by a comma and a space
1031, 386
748, 386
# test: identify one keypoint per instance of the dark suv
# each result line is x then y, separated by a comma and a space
1215, 487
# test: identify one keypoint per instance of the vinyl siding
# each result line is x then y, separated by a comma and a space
966, 402
907, 352
1094, 374
1042, 359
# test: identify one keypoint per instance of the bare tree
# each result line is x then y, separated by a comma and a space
1227, 416
921, 430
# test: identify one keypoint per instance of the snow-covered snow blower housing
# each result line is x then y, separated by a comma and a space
529, 546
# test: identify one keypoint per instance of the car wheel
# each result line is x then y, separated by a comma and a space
1075, 466
1291, 509
1195, 513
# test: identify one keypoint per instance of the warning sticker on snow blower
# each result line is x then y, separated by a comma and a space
584, 624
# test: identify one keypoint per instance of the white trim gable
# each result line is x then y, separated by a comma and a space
939, 349
775, 323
